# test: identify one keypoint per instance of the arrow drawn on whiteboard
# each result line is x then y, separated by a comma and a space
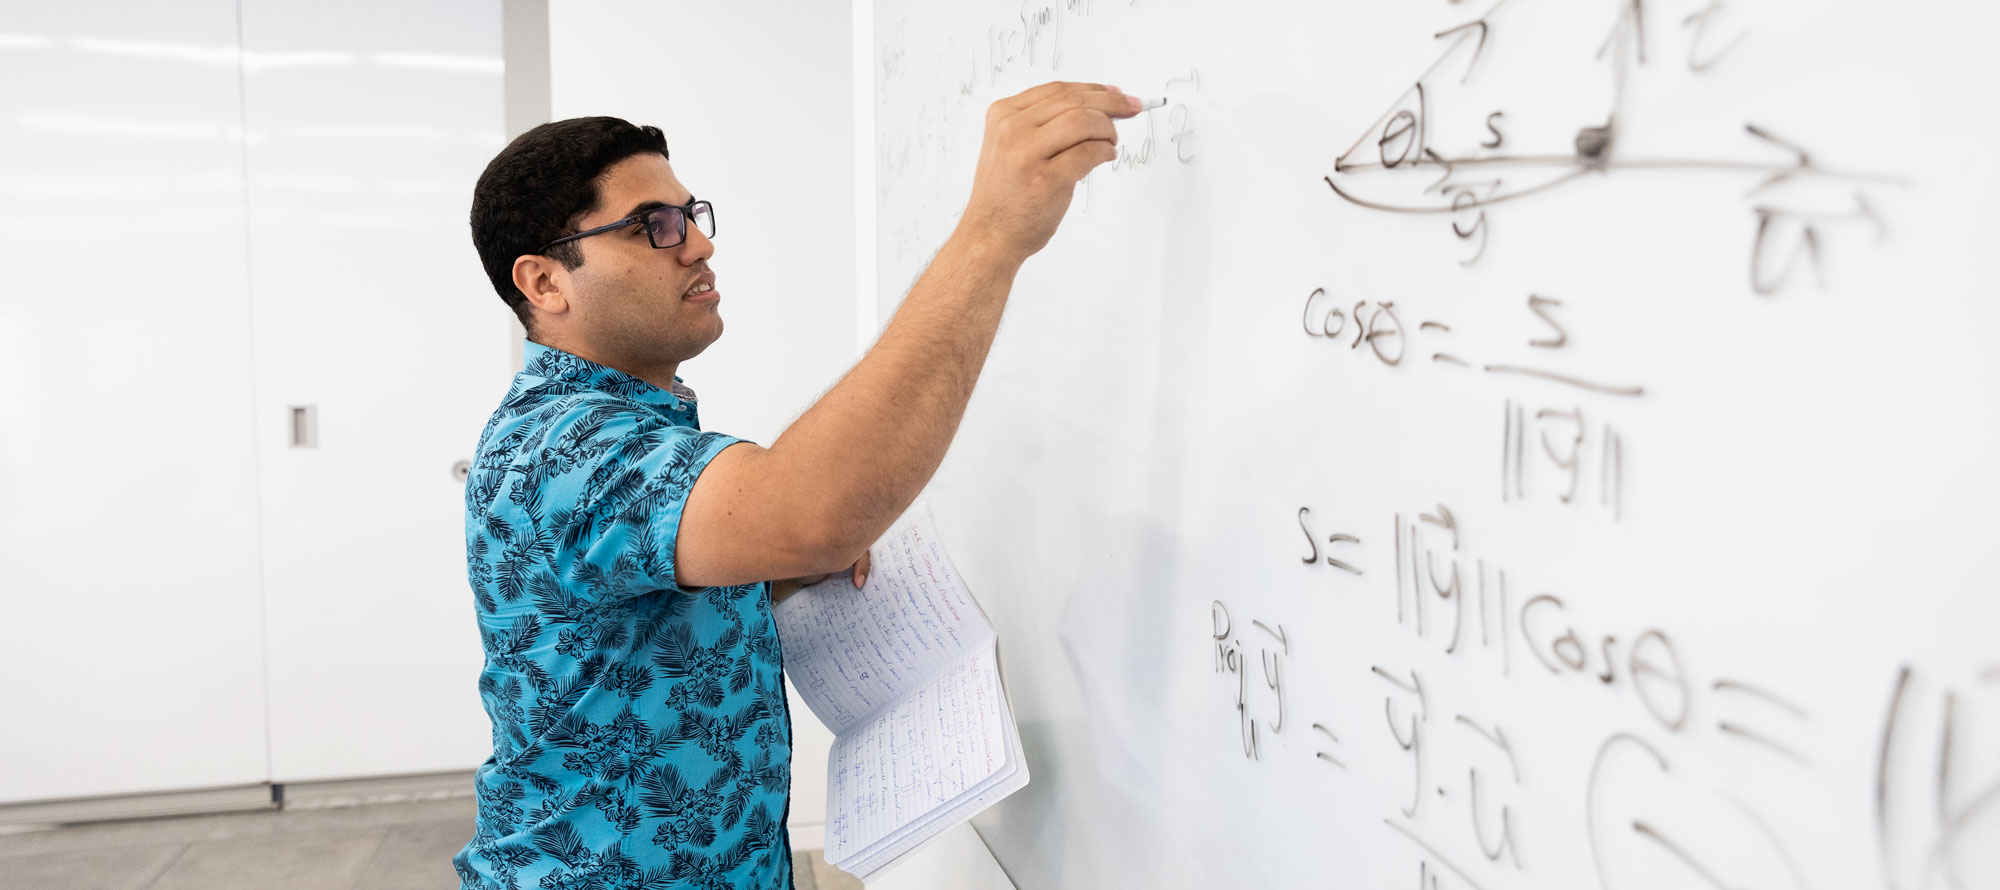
1342, 163
1443, 520
1627, 41
1477, 48
1804, 159
1632, 22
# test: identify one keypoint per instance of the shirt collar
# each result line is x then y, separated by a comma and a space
557, 366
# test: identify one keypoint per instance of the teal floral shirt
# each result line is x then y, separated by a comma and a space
640, 735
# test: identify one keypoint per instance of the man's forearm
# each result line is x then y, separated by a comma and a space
872, 442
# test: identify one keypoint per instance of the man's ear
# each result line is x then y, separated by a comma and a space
544, 282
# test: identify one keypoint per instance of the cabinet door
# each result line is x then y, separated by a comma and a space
131, 656
369, 124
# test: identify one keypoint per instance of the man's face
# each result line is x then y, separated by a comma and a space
630, 300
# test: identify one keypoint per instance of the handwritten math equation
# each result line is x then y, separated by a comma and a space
1568, 448
1562, 434
1402, 165
1464, 769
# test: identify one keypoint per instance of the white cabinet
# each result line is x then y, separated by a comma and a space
131, 642
195, 241
369, 123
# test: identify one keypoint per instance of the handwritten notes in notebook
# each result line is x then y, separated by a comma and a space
905, 672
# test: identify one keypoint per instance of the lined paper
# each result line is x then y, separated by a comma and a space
943, 740
852, 652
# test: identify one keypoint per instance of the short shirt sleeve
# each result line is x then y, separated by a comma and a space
618, 477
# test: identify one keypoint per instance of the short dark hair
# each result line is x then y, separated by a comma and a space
538, 188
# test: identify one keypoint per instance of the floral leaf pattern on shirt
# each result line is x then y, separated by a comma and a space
640, 734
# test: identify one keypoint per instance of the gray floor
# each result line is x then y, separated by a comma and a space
404, 846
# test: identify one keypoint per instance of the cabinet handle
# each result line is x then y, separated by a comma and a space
305, 426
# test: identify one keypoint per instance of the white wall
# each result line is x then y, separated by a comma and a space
757, 106
755, 102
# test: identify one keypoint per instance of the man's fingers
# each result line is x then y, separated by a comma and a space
1037, 144
1074, 126
1078, 160
861, 571
1116, 105
1032, 95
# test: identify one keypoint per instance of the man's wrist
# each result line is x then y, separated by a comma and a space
982, 253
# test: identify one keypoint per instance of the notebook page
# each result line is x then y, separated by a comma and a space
852, 652
945, 738
997, 787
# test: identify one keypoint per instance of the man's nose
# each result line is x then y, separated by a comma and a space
696, 248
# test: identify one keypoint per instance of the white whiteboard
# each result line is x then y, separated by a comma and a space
1721, 396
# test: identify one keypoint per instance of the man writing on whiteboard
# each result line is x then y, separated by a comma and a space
622, 560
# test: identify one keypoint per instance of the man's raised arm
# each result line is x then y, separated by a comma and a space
815, 500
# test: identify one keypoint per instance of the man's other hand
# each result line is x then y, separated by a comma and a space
858, 573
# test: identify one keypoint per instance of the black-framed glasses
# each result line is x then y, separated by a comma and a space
666, 225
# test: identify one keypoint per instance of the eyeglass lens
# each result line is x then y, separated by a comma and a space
667, 226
